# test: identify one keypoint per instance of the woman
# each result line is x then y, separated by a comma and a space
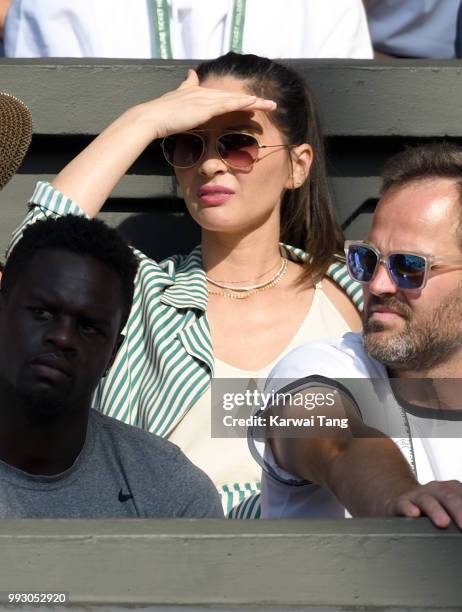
243, 137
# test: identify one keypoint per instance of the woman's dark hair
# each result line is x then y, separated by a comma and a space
307, 215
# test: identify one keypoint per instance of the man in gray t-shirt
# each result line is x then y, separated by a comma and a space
121, 471
65, 296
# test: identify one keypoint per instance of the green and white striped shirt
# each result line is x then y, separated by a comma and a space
166, 361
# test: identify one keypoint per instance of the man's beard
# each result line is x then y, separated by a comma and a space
421, 344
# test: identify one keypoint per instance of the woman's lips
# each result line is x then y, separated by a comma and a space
214, 195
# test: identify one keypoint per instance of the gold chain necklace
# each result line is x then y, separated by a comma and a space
225, 284
244, 292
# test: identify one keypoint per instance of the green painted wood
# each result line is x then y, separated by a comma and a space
357, 98
369, 110
348, 563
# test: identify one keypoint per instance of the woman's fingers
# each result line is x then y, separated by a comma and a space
219, 103
225, 100
191, 106
258, 104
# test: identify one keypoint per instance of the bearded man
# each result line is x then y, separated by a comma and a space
400, 377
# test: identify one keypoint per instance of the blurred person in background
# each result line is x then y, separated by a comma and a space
4, 6
184, 29
413, 28
15, 137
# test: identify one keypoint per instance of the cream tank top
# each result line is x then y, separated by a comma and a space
228, 461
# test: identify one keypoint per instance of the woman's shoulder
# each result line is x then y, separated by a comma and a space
189, 264
178, 269
344, 293
338, 274
340, 281
343, 303
178, 281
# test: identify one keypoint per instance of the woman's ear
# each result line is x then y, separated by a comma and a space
302, 158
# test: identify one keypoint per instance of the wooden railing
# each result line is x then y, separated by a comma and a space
346, 564
369, 110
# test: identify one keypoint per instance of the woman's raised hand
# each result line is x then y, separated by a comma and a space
191, 105
92, 175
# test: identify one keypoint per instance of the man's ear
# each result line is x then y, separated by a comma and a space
302, 158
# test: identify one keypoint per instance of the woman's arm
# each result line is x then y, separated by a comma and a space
91, 176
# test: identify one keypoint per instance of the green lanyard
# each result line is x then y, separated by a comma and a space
162, 28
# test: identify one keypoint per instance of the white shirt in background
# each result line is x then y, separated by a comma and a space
414, 28
200, 29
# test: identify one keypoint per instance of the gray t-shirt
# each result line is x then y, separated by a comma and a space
121, 472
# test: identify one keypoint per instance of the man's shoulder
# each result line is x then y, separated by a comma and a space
152, 463
343, 357
133, 440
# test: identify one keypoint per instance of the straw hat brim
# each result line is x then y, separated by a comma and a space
15, 135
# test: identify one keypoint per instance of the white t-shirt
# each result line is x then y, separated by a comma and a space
200, 29
429, 439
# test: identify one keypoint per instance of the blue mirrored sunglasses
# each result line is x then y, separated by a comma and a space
408, 271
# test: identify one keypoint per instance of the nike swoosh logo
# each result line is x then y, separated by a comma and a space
123, 497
